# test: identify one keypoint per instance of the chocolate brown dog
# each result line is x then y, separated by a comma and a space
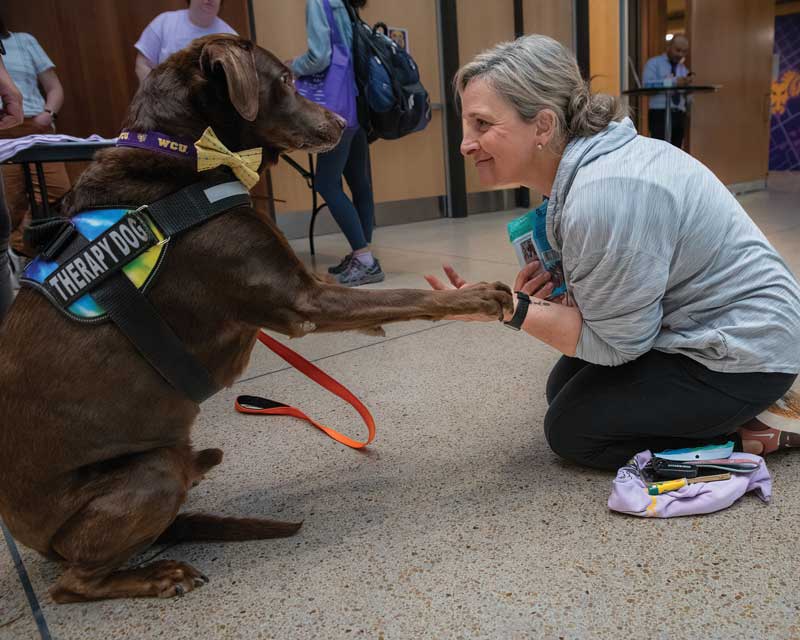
95, 452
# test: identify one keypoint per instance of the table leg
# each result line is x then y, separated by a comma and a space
668, 117
314, 208
26, 171
42, 190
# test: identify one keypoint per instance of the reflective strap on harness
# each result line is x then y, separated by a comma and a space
263, 406
196, 204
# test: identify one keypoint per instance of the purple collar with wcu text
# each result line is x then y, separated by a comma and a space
160, 142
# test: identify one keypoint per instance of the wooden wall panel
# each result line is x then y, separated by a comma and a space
653, 25
280, 26
551, 17
604, 46
412, 167
480, 26
732, 43
91, 44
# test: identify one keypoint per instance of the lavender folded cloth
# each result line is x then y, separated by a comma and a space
11, 147
629, 491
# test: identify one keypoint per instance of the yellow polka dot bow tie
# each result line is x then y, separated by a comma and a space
212, 153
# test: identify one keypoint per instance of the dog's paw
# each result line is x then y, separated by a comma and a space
170, 578
488, 299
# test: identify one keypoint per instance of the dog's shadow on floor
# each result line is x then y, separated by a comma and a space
430, 501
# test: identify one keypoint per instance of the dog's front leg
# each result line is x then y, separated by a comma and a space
327, 307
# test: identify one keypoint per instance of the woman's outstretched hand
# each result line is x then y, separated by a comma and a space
457, 282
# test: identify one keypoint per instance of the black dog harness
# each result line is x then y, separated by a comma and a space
86, 268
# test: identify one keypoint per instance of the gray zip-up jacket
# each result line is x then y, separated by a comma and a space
658, 254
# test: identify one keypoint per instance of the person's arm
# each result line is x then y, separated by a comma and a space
11, 114
318, 56
143, 67
148, 47
650, 74
54, 98
552, 322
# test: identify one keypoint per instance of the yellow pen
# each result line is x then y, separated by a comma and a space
657, 488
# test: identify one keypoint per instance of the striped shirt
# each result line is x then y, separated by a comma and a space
658, 254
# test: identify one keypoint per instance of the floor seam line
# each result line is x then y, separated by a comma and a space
359, 348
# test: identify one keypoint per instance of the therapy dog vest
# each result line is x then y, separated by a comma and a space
97, 266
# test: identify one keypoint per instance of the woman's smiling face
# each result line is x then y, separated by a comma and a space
496, 138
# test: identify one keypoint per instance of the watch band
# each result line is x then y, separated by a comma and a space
53, 114
523, 302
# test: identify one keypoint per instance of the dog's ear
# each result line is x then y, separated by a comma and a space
241, 75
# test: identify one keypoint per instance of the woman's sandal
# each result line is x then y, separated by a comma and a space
776, 428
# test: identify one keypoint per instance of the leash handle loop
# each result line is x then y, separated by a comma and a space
262, 406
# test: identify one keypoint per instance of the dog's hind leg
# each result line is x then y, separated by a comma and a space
135, 501
189, 527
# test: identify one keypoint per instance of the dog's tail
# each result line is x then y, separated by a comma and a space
189, 527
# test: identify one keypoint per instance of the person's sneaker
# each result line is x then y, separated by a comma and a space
357, 273
338, 268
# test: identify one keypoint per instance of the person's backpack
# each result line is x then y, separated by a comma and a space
392, 101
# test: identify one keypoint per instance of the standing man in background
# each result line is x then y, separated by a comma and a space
668, 66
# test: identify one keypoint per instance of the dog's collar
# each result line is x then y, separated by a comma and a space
96, 265
159, 142
209, 152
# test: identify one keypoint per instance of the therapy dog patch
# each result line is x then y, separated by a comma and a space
118, 239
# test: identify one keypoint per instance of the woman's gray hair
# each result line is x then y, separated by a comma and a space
536, 72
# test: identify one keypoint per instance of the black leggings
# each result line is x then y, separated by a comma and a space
601, 416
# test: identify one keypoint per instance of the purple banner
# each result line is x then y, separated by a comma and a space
784, 139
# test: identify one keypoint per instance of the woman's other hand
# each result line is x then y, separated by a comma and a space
536, 281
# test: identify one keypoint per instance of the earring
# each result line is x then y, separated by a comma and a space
539, 147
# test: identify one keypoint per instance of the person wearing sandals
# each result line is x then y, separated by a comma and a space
350, 158
680, 322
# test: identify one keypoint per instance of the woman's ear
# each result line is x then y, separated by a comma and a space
545, 126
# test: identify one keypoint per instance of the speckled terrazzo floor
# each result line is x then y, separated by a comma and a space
458, 522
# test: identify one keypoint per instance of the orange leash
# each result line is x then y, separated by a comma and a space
264, 406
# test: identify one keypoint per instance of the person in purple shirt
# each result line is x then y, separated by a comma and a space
171, 31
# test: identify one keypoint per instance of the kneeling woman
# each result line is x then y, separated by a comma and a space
681, 321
